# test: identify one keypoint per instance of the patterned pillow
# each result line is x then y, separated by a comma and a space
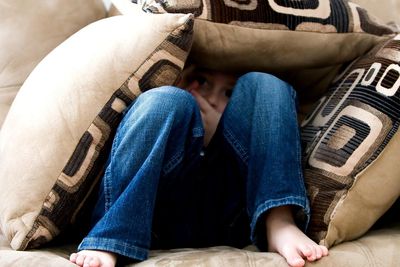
252, 34
352, 147
25, 39
303, 42
57, 134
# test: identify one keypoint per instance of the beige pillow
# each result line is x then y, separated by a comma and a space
302, 42
352, 147
56, 136
271, 34
29, 30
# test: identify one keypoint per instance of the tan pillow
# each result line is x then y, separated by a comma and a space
56, 136
302, 42
275, 36
352, 147
29, 30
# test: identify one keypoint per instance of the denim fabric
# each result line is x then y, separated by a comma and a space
163, 189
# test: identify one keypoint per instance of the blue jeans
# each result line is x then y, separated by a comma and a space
163, 189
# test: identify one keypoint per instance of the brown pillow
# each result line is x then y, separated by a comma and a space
352, 147
56, 136
302, 42
275, 35
29, 30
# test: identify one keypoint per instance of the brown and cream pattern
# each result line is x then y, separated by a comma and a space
85, 165
338, 16
350, 128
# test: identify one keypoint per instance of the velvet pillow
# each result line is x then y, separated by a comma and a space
56, 136
352, 147
29, 30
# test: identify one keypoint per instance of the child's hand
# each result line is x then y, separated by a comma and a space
209, 115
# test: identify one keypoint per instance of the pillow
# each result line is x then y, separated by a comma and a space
228, 33
57, 134
31, 29
302, 42
387, 10
352, 147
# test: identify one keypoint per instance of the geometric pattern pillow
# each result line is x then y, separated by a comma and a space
27, 37
58, 132
352, 147
303, 42
326, 22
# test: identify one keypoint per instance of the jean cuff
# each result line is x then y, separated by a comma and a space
115, 246
302, 217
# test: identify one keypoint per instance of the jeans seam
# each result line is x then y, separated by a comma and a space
107, 191
241, 152
298, 145
173, 162
107, 182
198, 132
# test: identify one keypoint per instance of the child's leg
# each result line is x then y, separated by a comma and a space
260, 124
153, 138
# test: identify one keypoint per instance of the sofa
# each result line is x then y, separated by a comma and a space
374, 245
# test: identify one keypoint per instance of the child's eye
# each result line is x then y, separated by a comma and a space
228, 93
201, 80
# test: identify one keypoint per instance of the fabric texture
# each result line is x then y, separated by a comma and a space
27, 37
55, 138
376, 248
351, 145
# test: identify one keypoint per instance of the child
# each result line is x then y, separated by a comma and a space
215, 164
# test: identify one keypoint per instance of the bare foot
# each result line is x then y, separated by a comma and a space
94, 258
288, 240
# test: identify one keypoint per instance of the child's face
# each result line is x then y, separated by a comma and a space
214, 86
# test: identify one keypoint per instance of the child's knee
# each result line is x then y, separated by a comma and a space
168, 99
266, 86
161, 103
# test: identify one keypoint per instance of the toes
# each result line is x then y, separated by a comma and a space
324, 250
318, 252
293, 257
94, 263
312, 257
73, 257
313, 252
80, 259
296, 262
87, 261
305, 250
